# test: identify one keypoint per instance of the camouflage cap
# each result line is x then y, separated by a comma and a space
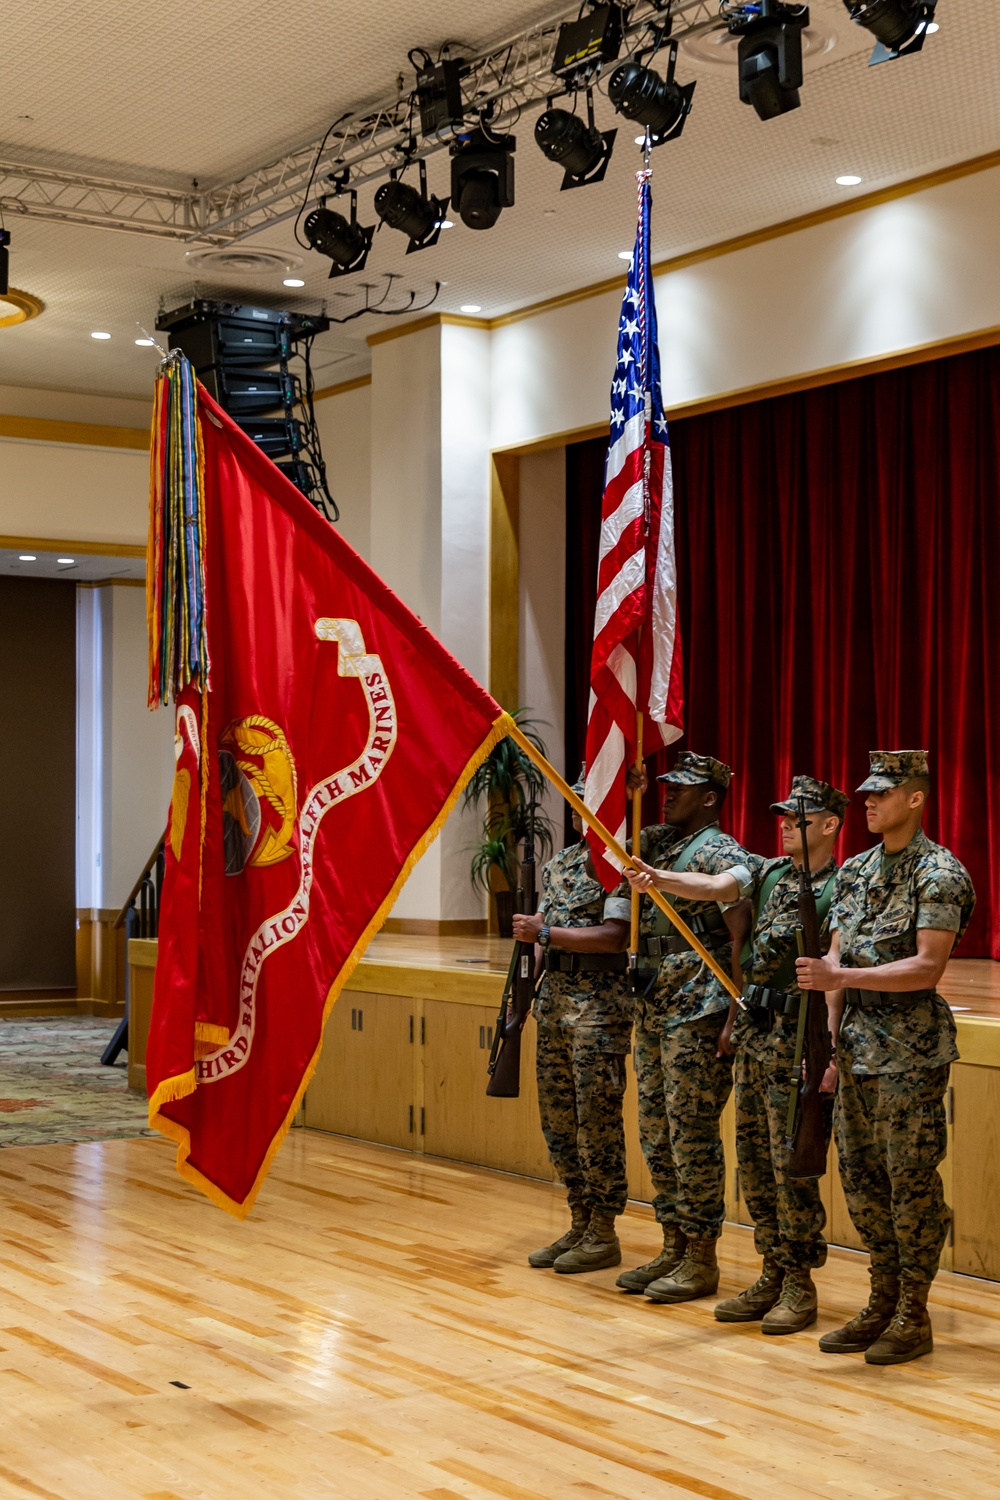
580, 781
819, 796
891, 768
695, 770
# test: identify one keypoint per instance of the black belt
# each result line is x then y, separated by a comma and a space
712, 925
782, 1002
870, 999
585, 963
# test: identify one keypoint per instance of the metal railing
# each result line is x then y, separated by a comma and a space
140, 917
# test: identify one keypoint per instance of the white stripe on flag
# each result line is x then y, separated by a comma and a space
630, 576
664, 603
628, 511
631, 438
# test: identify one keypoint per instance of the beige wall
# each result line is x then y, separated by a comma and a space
344, 423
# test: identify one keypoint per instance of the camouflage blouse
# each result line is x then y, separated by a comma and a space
878, 910
685, 989
603, 1003
773, 937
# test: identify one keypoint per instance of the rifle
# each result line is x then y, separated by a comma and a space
807, 1125
519, 991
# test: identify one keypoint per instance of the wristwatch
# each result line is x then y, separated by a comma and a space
543, 937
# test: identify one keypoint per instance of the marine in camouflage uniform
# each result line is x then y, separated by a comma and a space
683, 1080
583, 1011
788, 1213
895, 1050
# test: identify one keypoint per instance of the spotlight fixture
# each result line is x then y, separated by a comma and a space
482, 177
898, 26
345, 241
577, 146
399, 205
661, 104
770, 55
4, 261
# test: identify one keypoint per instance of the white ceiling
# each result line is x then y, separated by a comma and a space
78, 568
165, 94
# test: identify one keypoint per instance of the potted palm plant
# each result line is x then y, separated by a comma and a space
509, 786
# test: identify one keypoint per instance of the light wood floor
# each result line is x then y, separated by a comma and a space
373, 1331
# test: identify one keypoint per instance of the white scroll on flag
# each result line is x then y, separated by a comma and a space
636, 663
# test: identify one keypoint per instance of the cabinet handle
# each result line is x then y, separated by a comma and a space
411, 1119
950, 1105
482, 1037
354, 1019
411, 1031
361, 1020
489, 1037
423, 1030
421, 1119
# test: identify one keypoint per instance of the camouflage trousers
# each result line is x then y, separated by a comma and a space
787, 1213
891, 1135
683, 1088
580, 1089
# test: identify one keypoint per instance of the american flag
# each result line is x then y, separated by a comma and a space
636, 664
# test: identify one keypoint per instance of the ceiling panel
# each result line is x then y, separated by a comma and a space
728, 174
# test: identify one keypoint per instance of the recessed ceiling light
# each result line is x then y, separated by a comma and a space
27, 557
471, 307
932, 27
446, 224
849, 180
142, 343
640, 140
68, 562
292, 281
624, 255
99, 335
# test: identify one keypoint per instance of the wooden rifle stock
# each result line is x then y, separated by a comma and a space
808, 1110
519, 992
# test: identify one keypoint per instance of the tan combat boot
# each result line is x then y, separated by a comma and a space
909, 1334
669, 1257
795, 1309
549, 1254
598, 1248
756, 1300
870, 1323
696, 1275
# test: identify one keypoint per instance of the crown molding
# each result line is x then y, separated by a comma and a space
433, 320
342, 388
60, 544
88, 434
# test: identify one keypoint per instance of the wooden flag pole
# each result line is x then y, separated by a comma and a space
633, 941
619, 853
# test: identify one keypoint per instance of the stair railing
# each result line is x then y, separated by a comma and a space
140, 917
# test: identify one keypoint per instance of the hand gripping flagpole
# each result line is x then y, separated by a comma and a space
592, 821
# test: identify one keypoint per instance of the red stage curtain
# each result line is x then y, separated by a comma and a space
839, 564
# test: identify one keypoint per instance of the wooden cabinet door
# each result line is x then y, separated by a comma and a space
364, 1084
975, 1173
455, 1054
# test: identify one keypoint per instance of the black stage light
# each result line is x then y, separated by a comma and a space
345, 241
4, 261
898, 26
482, 178
402, 207
574, 144
770, 56
661, 104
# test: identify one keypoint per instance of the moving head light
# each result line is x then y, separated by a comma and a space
482, 178
770, 55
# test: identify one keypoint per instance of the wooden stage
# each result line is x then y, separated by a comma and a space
373, 1332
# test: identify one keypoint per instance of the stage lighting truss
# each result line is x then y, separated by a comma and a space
898, 26
770, 54
574, 144
660, 104
344, 241
416, 214
503, 83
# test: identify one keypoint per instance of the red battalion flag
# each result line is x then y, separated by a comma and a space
322, 737
636, 663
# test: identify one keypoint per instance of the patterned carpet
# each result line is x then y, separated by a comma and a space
53, 1088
